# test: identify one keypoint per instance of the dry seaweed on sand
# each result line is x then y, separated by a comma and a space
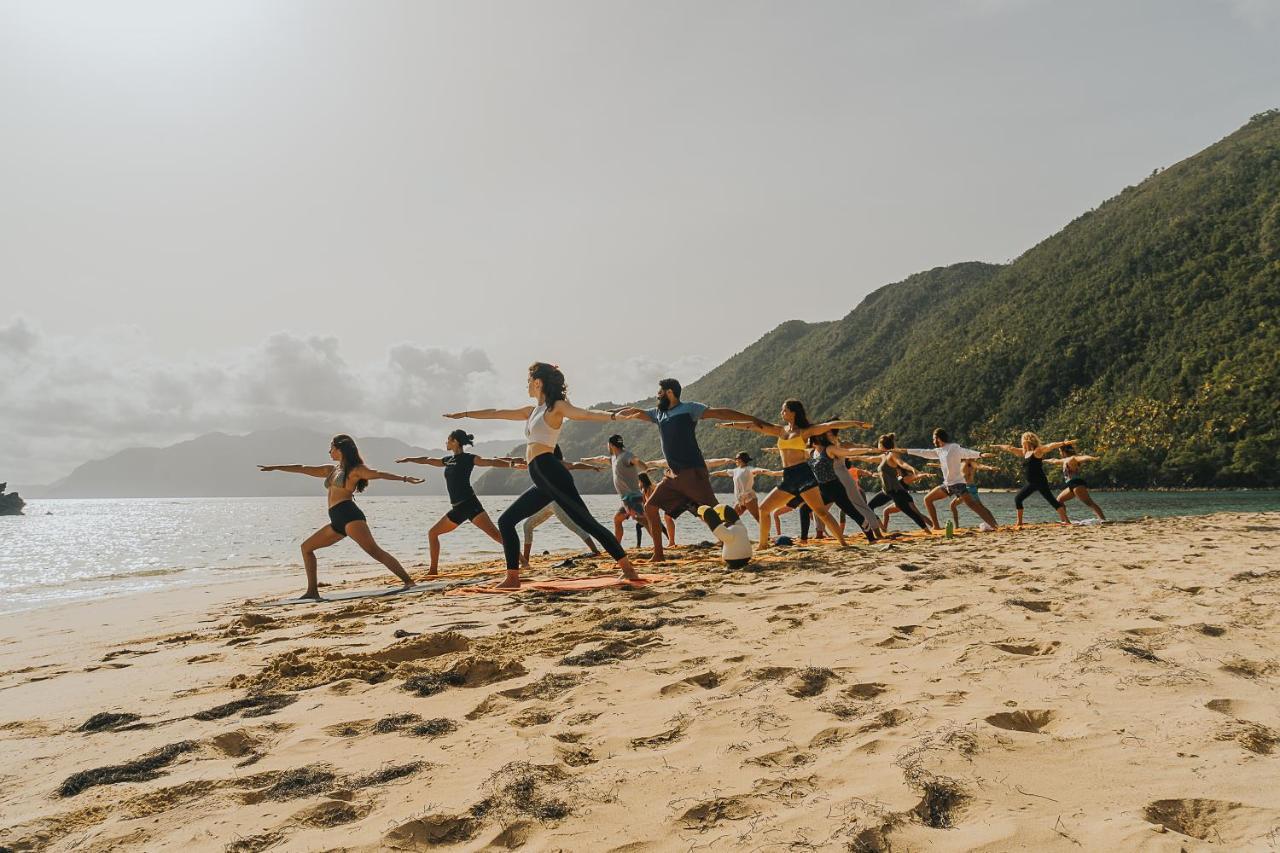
301, 782
435, 727
139, 770
431, 683
259, 705
382, 776
395, 723
107, 721
519, 789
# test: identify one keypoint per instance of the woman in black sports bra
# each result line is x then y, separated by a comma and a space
343, 479
465, 505
1032, 453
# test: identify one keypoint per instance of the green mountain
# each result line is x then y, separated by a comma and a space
1148, 328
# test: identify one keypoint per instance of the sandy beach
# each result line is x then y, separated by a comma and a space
1090, 688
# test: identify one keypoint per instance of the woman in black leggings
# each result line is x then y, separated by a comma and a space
891, 474
823, 457
1033, 453
551, 480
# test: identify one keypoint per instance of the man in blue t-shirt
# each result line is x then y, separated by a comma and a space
687, 484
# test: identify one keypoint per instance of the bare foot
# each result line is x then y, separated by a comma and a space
312, 594
626, 571
432, 574
511, 581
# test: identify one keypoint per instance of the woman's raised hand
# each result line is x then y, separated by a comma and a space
414, 480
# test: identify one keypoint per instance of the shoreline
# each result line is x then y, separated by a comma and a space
1051, 688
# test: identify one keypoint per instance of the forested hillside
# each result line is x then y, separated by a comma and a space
1148, 328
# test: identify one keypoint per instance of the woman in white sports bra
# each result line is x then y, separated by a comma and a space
551, 480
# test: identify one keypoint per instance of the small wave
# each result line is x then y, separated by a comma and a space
125, 576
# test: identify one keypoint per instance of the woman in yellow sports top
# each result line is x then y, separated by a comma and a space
797, 475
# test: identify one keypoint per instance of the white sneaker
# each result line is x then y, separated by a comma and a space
985, 528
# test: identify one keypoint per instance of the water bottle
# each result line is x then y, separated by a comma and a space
951, 529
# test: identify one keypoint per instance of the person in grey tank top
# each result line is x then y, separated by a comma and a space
626, 468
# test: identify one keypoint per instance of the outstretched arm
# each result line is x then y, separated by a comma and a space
574, 413
753, 425
583, 466
309, 470
849, 452
494, 414
1054, 445
922, 452
366, 473
828, 426
719, 463
421, 460
1007, 448
631, 413
494, 462
722, 414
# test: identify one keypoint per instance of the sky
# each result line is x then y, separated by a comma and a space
233, 215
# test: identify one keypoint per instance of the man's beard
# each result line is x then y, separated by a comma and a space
664, 403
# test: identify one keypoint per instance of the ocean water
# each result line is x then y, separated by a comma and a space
68, 550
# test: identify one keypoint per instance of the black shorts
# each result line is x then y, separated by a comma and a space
797, 479
465, 510
955, 490
342, 514
737, 564
1077, 482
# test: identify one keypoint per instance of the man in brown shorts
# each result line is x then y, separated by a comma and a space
687, 484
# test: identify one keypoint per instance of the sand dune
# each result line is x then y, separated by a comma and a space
1090, 688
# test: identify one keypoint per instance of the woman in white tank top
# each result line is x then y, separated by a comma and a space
551, 480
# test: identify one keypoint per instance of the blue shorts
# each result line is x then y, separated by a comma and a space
632, 504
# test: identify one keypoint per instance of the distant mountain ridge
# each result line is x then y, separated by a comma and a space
222, 465
1148, 328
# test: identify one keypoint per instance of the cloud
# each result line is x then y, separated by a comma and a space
67, 400
16, 339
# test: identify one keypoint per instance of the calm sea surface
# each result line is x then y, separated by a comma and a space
67, 550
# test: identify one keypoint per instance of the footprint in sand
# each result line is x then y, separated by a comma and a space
1217, 821
1027, 647
1023, 721
1034, 605
708, 680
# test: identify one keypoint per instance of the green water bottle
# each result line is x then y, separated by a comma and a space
951, 529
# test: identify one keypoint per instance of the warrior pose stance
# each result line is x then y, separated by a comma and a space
534, 521
893, 472
969, 468
744, 483
626, 468
1075, 485
551, 480
687, 485
466, 505
951, 458
1032, 453
343, 479
798, 479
